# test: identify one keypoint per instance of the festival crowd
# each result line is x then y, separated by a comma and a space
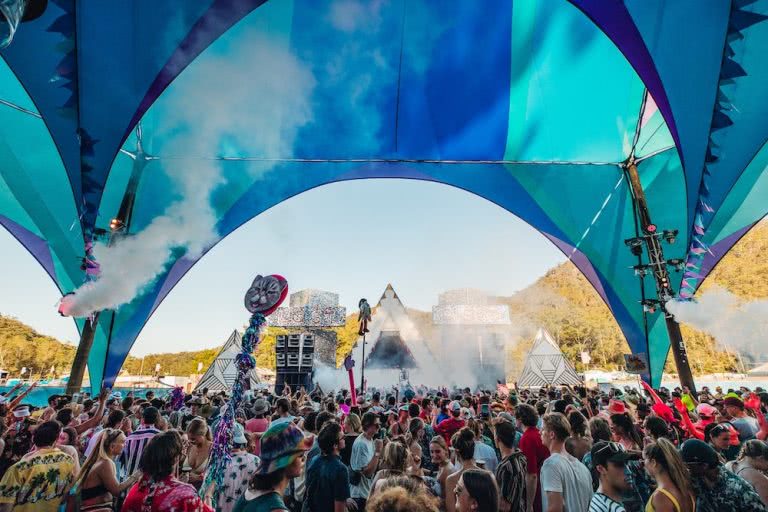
559, 449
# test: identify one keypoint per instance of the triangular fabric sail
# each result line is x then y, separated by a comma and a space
222, 373
546, 365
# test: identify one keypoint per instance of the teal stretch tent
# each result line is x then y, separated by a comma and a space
532, 105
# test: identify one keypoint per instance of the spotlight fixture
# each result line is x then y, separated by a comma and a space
650, 305
650, 228
677, 263
641, 270
116, 225
670, 235
635, 245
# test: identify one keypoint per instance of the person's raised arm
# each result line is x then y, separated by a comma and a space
16, 401
689, 426
92, 422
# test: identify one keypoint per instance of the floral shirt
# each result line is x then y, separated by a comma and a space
730, 492
237, 474
39, 481
167, 495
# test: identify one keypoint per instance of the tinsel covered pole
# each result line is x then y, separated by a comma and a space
261, 299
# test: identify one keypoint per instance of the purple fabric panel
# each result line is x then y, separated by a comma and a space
36, 246
582, 263
222, 15
612, 17
718, 250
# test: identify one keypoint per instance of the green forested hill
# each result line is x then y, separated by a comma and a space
561, 300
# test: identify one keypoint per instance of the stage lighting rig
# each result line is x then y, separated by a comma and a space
635, 245
676, 263
650, 305
670, 235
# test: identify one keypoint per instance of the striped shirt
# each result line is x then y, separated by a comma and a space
602, 503
134, 447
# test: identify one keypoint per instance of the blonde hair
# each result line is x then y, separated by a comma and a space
199, 427
353, 420
395, 455
100, 452
402, 495
440, 441
667, 457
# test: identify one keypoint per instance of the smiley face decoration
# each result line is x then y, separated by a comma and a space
266, 294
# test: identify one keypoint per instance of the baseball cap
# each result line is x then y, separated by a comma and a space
238, 434
706, 410
604, 452
507, 417
454, 406
694, 451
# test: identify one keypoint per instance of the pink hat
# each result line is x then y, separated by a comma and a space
706, 410
616, 407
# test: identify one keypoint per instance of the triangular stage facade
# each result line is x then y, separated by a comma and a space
546, 365
394, 341
222, 373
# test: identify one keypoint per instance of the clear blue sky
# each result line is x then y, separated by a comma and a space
350, 238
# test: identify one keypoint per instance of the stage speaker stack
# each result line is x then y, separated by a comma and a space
295, 359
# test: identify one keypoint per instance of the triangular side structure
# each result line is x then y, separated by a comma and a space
222, 373
546, 365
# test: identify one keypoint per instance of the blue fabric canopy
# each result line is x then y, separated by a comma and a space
535, 106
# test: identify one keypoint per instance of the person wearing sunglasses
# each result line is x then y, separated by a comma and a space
609, 460
366, 453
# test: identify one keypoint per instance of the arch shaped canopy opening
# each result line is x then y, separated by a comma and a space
533, 107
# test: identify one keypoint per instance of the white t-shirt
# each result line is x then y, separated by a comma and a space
486, 454
565, 474
363, 451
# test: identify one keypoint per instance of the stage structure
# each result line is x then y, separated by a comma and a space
476, 326
546, 365
222, 373
395, 349
310, 340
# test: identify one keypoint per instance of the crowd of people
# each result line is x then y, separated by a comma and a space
547, 450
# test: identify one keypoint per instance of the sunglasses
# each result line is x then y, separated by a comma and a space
612, 447
719, 429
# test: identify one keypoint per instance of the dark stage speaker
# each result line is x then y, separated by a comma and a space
295, 360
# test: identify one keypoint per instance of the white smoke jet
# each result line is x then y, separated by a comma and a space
253, 99
735, 323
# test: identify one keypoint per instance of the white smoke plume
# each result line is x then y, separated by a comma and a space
447, 355
253, 99
737, 324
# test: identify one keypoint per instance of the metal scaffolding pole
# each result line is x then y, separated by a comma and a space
658, 265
